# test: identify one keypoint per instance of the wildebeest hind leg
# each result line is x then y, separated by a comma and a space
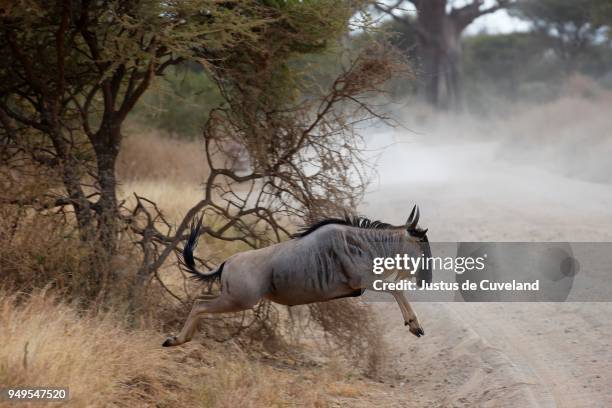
221, 304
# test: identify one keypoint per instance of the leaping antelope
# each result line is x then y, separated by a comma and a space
329, 260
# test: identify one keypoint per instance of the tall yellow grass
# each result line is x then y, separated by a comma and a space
169, 171
106, 364
149, 155
47, 343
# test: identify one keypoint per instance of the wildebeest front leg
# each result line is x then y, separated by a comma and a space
221, 304
410, 317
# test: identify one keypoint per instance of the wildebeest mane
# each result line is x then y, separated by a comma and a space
351, 221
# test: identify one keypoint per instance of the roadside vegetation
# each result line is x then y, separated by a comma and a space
121, 122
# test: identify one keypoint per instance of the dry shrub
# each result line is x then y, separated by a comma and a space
352, 329
104, 363
23, 179
37, 250
42, 249
300, 154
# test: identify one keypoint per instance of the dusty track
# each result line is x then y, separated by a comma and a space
496, 354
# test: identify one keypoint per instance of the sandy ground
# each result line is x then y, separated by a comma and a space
494, 354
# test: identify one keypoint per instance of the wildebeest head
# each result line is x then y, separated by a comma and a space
424, 273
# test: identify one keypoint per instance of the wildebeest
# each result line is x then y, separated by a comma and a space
329, 260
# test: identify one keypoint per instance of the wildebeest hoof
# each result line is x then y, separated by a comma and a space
170, 341
415, 328
418, 332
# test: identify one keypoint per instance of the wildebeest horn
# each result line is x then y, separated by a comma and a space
409, 220
413, 220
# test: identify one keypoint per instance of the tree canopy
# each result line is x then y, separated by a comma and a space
72, 71
574, 25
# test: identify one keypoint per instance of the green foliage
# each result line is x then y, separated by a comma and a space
297, 28
179, 102
556, 14
294, 54
90, 63
573, 25
522, 66
567, 37
503, 63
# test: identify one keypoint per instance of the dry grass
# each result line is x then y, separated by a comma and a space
570, 135
104, 363
168, 171
37, 250
47, 343
251, 384
347, 390
175, 199
109, 358
149, 155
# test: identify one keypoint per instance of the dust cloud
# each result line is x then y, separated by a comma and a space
532, 174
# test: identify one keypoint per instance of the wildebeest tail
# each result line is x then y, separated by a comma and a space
188, 261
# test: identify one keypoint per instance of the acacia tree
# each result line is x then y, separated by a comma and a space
306, 156
438, 27
72, 71
80, 68
304, 149
307, 163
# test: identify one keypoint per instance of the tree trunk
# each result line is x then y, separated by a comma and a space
431, 15
106, 148
82, 207
452, 64
107, 204
439, 46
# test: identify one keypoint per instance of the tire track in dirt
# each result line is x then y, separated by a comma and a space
497, 354
547, 339
453, 365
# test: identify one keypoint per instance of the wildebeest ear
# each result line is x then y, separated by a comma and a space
419, 233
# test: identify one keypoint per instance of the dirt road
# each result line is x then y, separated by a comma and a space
496, 354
